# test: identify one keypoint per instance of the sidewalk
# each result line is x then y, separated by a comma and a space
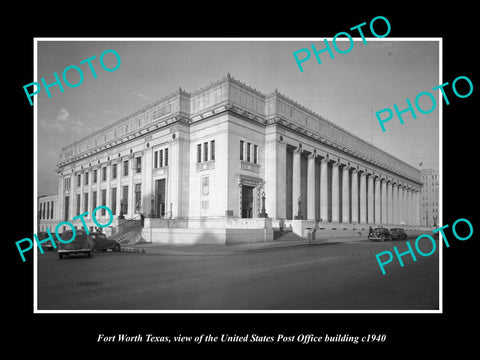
234, 249
209, 249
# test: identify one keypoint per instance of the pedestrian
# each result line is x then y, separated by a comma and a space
281, 224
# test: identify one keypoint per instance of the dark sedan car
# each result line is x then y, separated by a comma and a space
101, 242
42, 235
75, 244
379, 234
398, 234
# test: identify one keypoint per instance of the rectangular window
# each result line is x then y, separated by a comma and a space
139, 164
161, 158
166, 157
125, 168
114, 201
51, 211
255, 154
241, 149
104, 173
66, 208
85, 202
47, 213
205, 151
248, 151
212, 150
125, 199
104, 200
79, 178
94, 200
94, 176
114, 171
138, 198
86, 178
78, 204
155, 160
199, 153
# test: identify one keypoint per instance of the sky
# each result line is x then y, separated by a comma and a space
347, 90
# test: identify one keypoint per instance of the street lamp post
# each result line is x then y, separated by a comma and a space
152, 201
122, 208
263, 213
299, 214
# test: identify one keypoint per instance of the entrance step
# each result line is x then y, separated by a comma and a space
129, 234
286, 236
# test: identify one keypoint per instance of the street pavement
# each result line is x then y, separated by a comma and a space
275, 276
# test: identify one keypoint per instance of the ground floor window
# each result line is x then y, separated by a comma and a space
125, 199
114, 201
138, 198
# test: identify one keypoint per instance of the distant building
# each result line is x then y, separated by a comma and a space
429, 197
47, 212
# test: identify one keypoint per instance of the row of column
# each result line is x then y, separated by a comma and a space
88, 201
365, 198
127, 185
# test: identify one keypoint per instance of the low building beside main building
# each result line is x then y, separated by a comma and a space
198, 165
47, 212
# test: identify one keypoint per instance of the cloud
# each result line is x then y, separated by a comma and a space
142, 96
64, 123
62, 115
115, 112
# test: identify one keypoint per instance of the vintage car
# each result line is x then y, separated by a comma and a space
81, 244
398, 234
379, 234
48, 244
101, 242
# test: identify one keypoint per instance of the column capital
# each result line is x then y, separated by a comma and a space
298, 150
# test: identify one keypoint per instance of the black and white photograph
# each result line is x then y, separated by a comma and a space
287, 180
229, 173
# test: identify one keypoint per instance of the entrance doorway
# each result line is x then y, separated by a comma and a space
160, 198
247, 201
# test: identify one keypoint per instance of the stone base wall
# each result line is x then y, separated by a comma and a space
207, 231
335, 232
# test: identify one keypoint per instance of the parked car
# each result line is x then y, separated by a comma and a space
101, 242
80, 245
398, 234
46, 245
380, 234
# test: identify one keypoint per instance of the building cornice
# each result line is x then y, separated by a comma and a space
250, 104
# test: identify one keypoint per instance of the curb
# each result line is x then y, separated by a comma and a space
224, 251
132, 249
232, 249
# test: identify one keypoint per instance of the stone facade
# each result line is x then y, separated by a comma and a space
202, 160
